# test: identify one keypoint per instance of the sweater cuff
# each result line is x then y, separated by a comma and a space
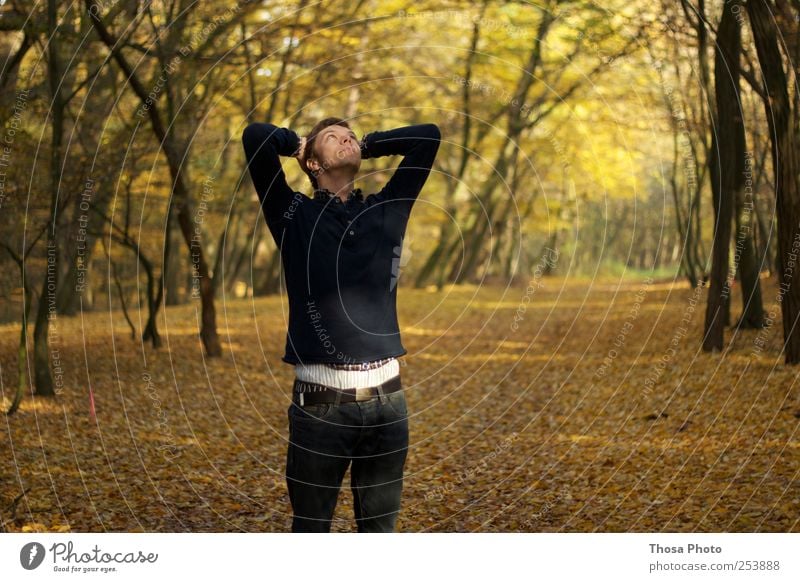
293, 143
365, 153
296, 150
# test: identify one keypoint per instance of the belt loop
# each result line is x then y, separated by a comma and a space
297, 389
338, 398
381, 394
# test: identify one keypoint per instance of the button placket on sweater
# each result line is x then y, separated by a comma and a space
346, 207
351, 229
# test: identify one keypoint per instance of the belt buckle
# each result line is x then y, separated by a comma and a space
363, 394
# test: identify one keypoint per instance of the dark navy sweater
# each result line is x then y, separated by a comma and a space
340, 260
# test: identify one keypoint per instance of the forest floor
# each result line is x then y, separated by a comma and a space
566, 406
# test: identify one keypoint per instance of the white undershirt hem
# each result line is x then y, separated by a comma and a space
344, 379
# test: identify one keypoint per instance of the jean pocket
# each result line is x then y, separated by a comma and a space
397, 402
320, 411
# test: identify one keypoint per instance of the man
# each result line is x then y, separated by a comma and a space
340, 254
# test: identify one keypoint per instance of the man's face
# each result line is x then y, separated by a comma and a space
336, 147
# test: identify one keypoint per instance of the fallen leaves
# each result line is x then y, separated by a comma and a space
510, 430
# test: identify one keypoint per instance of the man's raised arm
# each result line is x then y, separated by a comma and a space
263, 143
419, 144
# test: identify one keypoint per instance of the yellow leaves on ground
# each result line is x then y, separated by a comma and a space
595, 412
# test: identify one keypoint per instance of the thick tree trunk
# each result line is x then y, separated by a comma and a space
749, 266
726, 165
782, 123
41, 351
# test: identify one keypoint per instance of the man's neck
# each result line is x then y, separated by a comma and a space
340, 184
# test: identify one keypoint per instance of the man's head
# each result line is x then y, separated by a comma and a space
331, 146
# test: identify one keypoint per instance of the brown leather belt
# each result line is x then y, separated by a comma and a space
310, 393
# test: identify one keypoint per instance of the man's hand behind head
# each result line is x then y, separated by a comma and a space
300, 153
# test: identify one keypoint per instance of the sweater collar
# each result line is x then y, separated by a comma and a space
324, 195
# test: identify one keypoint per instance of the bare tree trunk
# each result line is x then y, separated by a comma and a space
749, 268
763, 238
41, 352
270, 281
120, 290
240, 261
154, 298
172, 268
726, 166
22, 351
123, 237
782, 123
